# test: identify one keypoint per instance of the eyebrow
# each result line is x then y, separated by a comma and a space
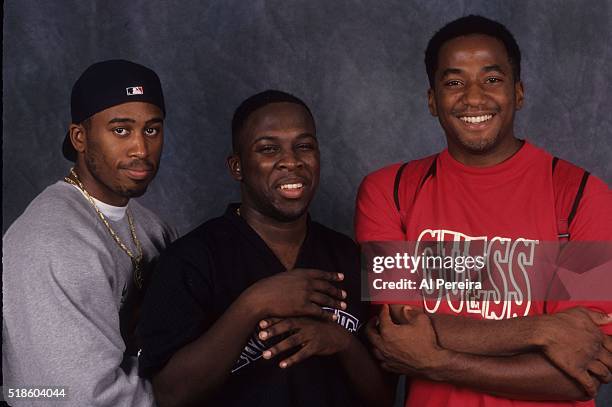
450, 71
488, 68
274, 138
154, 120
491, 68
307, 135
128, 120
121, 120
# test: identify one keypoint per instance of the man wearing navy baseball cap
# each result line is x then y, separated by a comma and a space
76, 261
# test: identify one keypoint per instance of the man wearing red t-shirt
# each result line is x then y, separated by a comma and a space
491, 187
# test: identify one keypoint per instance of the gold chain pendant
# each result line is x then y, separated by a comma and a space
138, 279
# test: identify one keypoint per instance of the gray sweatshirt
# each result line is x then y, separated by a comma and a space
64, 282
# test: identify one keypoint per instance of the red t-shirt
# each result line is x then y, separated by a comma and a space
499, 204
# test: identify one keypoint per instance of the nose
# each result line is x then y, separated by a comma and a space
289, 161
474, 95
138, 146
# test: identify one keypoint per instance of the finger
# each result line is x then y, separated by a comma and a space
605, 357
385, 317
264, 323
284, 345
326, 301
315, 311
410, 313
286, 325
413, 310
599, 318
587, 382
297, 357
324, 275
600, 371
329, 289
374, 336
397, 315
607, 343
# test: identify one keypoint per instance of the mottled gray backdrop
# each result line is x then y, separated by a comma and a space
359, 64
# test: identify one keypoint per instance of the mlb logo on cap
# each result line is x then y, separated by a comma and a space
135, 90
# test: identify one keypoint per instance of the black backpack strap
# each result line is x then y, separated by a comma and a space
398, 178
554, 163
564, 219
431, 171
583, 181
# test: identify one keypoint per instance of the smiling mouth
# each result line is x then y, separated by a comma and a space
291, 190
297, 185
476, 119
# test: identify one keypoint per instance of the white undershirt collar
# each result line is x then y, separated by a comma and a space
114, 213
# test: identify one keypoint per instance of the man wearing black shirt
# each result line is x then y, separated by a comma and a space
261, 305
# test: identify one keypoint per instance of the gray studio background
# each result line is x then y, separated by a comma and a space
359, 64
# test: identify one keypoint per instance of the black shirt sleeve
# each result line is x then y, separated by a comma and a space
176, 308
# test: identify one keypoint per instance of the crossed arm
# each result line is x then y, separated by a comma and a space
558, 357
563, 356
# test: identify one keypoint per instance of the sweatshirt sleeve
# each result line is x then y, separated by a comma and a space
61, 319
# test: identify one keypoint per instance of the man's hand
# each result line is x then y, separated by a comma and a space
410, 348
573, 341
312, 336
299, 292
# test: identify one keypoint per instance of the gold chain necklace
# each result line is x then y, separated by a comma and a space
73, 179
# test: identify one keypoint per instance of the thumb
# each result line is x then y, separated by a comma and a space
385, 316
599, 318
409, 313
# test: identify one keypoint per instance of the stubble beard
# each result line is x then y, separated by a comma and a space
480, 145
275, 212
91, 162
266, 206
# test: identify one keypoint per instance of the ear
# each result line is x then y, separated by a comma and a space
233, 163
431, 102
78, 137
519, 94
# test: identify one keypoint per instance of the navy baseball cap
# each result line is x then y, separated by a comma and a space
110, 83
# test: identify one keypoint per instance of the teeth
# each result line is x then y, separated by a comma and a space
291, 186
476, 119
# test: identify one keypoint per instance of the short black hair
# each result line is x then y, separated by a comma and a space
257, 101
467, 25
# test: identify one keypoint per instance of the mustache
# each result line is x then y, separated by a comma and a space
484, 109
138, 165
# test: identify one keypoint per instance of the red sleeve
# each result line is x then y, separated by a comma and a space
593, 223
376, 217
